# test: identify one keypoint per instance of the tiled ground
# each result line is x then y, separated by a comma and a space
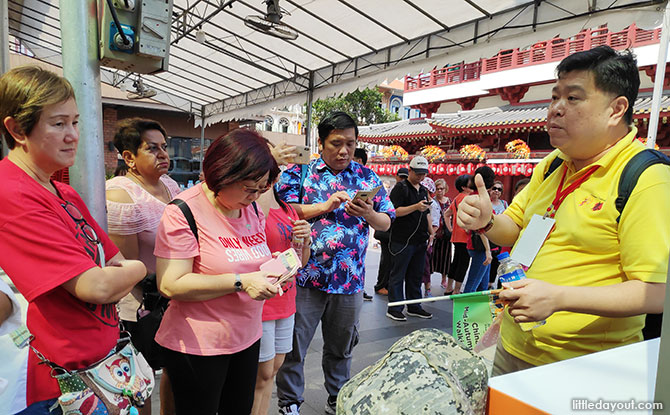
377, 334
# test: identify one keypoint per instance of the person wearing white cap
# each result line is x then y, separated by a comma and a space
409, 236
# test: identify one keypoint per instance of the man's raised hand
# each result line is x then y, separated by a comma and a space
336, 199
475, 211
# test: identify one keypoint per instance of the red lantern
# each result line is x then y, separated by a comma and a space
506, 170
451, 169
432, 168
461, 169
494, 167
480, 165
529, 169
441, 169
470, 168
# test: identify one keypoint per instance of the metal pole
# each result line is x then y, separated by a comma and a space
4, 52
310, 98
202, 136
79, 37
660, 77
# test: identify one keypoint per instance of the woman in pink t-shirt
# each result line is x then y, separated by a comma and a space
212, 327
284, 230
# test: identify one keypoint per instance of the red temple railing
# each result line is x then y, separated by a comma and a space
542, 52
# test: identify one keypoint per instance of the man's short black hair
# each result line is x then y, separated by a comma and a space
487, 174
337, 120
361, 154
613, 72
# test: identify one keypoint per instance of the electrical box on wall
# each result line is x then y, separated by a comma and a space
135, 34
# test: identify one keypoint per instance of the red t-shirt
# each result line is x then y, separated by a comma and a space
459, 234
42, 248
279, 231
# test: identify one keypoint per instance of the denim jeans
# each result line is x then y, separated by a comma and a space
407, 271
42, 408
338, 315
478, 277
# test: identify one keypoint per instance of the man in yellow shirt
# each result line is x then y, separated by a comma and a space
593, 278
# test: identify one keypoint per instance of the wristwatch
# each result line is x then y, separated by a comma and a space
238, 283
487, 227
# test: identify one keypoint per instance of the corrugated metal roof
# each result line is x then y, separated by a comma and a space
236, 72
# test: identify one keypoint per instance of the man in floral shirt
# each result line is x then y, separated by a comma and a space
330, 286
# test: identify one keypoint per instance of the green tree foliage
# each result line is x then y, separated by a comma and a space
365, 106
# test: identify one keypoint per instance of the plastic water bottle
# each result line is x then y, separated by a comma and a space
189, 184
509, 270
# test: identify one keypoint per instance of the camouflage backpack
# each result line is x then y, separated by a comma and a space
426, 372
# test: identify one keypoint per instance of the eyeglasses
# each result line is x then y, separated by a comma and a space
76, 215
497, 189
253, 191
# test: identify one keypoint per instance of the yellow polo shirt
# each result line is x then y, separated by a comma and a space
588, 248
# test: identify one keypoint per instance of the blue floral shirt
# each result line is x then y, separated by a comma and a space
339, 241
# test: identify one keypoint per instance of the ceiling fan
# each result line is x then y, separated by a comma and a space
140, 91
271, 24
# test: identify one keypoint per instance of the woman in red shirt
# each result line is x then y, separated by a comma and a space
459, 237
283, 230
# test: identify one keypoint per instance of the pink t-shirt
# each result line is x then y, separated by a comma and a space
279, 231
232, 322
139, 218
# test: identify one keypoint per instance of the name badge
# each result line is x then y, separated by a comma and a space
531, 241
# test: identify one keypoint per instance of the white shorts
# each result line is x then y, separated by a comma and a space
277, 338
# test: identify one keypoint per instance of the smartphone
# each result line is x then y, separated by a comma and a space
303, 154
364, 195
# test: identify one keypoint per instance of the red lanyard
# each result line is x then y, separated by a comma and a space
562, 194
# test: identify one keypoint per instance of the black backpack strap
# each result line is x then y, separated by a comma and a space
632, 171
255, 209
555, 163
188, 215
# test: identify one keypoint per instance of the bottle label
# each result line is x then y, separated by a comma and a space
515, 275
